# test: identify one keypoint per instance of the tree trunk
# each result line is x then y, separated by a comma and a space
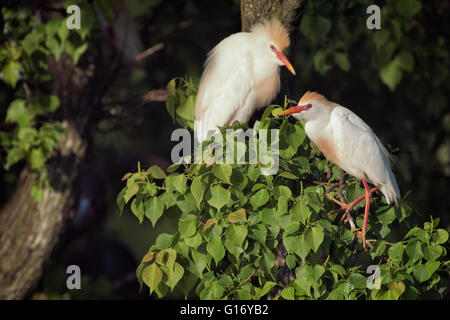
30, 230
289, 12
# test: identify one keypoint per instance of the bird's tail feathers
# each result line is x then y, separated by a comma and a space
391, 193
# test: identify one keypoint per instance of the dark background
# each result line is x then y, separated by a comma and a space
413, 118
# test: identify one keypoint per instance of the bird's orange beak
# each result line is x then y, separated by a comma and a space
286, 62
283, 59
296, 109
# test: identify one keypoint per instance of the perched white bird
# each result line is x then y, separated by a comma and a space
350, 143
241, 74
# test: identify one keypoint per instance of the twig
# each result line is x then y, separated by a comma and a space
27, 92
141, 56
248, 278
157, 95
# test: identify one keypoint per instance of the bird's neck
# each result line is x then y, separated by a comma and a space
317, 127
263, 69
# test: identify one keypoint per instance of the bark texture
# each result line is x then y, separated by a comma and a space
289, 12
30, 230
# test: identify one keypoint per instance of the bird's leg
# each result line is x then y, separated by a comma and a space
347, 207
341, 184
367, 195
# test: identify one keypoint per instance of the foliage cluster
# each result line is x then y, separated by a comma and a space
27, 46
231, 219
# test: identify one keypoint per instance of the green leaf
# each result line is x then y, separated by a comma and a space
156, 172
432, 252
164, 241
440, 236
152, 276
37, 193
216, 249
219, 197
237, 216
44, 104
222, 171
380, 37
315, 25
132, 189
18, 113
168, 199
175, 275
179, 182
288, 293
26, 135
194, 241
171, 86
357, 280
187, 225
408, 8
396, 289
170, 105
290, 261
154, 209
259, 233
288, 175
236, 234
290, 243
209, 223
296, 138
36, 159
300, 210
265, 290
405, 60
186, 110
320, 63
10, 73
432, 266
315, 272
412, 232
421, 273
396, 251
314, 238
197, 189
14, 155
291, 228
137, 207
387, 217
302, 248
341, 60
414, 251
199, 263
260, 198
391, 74
187, 283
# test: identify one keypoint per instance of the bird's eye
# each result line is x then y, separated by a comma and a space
308, 106
273, 48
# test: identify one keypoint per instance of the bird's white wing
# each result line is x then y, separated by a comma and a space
225, 84
362, 153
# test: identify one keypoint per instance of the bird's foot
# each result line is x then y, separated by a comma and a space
346, 216
360, 235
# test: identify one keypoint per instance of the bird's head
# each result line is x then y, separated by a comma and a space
272, 38
311, 106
